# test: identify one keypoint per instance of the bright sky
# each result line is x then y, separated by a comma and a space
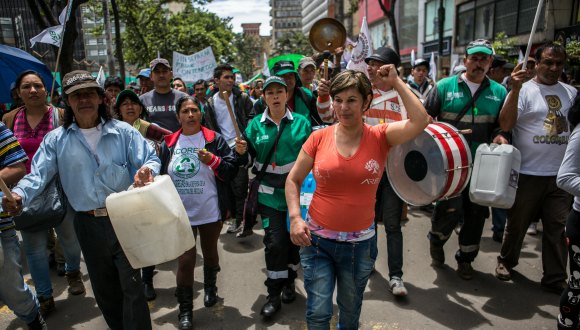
243, 11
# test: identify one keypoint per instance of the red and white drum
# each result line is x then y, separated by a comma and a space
435, 165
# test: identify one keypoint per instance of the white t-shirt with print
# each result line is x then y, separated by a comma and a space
542, 130
194, 181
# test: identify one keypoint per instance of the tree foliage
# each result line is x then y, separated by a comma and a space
573, 50
504, 45
151, 29
247, 50
293, 43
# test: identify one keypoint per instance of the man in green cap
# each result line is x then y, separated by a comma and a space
467, 101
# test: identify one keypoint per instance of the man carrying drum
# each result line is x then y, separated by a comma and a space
467, 101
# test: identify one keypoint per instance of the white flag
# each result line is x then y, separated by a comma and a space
362, 50
101, 77
433, 65
49, 35
265, 69
62, 17
412, 57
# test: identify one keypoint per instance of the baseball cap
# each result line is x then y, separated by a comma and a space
385, 55
498, 61
282, 67
146, 73
274, 80
78, 79
479, 46
158, 61
305, 62
127, 93
422, 61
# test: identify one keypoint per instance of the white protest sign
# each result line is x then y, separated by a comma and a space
193, 67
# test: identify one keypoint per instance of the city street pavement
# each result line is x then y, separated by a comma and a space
438, 298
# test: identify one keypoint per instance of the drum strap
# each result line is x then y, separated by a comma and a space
471, 103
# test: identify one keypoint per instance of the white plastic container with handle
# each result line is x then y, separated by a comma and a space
494, 180
151, 223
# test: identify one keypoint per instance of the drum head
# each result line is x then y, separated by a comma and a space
416, 170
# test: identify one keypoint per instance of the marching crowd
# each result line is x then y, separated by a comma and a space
98, 140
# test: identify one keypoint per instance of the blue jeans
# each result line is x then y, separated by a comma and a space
13, 291
390, 210
34, 244
498, 218
349, 265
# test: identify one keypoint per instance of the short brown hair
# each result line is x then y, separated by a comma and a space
349, 79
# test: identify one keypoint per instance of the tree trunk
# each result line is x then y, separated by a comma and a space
390, 14
108, 39
118, 41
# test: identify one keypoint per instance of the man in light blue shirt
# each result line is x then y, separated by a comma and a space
95, 156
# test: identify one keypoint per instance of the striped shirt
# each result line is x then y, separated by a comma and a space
11, 153
386, 107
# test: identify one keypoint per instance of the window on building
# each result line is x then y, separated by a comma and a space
432, 19
485, 18
93, 52
408, 23
92, 42
7, 35
102, 52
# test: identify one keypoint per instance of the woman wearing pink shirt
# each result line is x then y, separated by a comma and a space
347, 159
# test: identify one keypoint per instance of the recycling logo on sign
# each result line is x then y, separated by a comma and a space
186, 166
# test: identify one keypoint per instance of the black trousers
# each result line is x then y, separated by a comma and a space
282, 256
116, 285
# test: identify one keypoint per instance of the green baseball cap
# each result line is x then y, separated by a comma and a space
274, 80
479, 46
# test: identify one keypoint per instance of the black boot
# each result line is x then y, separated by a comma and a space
210, 289
272, 306
38, 323
184, 296
288, 293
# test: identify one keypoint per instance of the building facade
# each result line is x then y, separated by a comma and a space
286, 17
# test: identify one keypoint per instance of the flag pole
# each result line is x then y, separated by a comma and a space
536, 19
68, 8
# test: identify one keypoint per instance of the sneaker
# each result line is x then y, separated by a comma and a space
233, 228
245, 232
46, 305
437, 254
532, 229
502, 272
464, 270
397, 287
75, 283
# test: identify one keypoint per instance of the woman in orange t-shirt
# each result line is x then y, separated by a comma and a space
347, 160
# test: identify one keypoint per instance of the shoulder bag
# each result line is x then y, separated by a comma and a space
251, 203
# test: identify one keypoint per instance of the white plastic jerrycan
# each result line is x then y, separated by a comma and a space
494, 179
151, 223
